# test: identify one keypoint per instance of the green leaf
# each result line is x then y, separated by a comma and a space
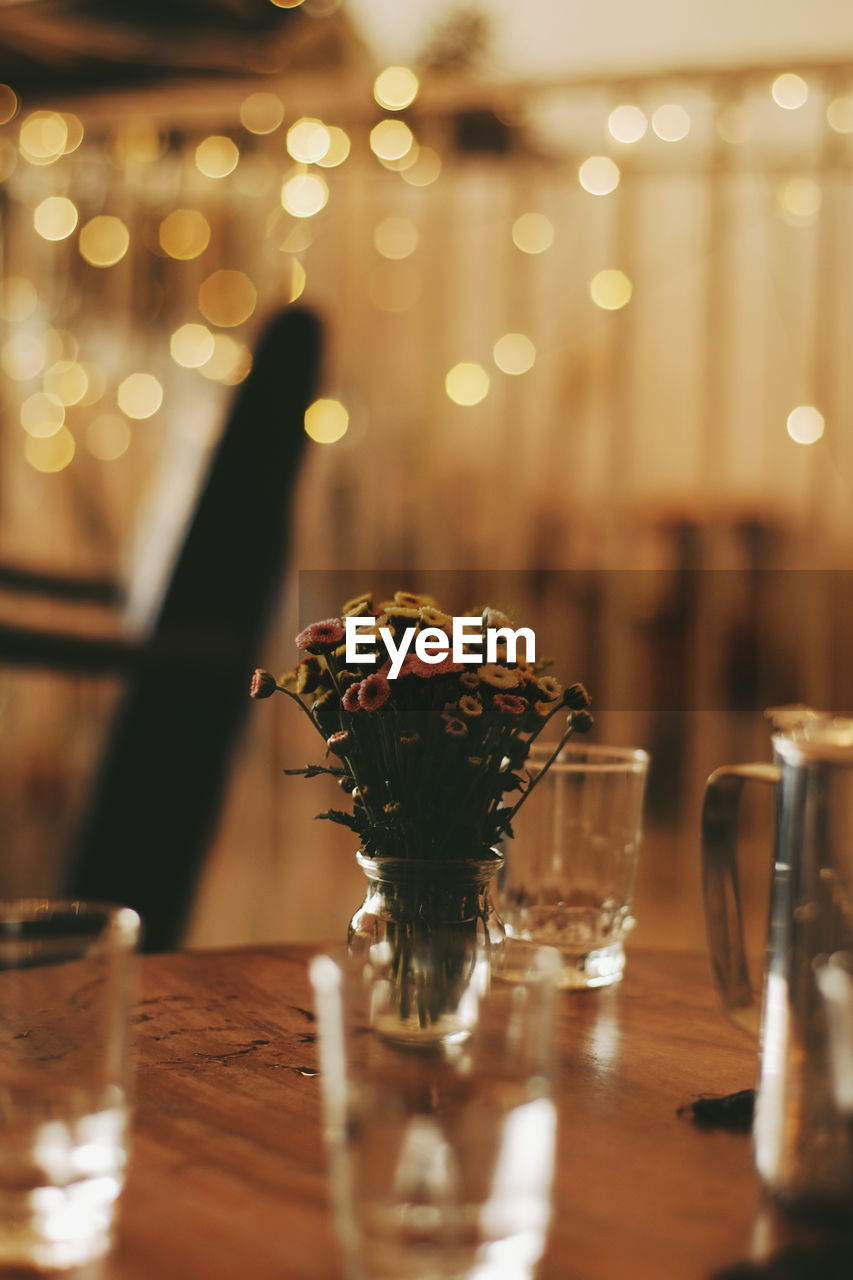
341, 818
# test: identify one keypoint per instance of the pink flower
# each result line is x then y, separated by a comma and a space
350, 699
415, 666
507, 704
263, 684
321, 637
373, 692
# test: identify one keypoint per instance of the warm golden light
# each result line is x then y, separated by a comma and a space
326, 421
67, 381
139, 395
230, 363
304, 195
425, 170
395, 237
23, 357
627, 124
799, 199
287, 4
261, 112
50, 453
839, 115
396, 88
671, 122
18, 299
533, 233
391, 139
217, 156
599, 175
9, 103
394, 287
339, 148
74, 127
104, 241
43, 136
733, 124
514, 353
42, 415
789, 91
610, 289
297, 281
8, 159
108, 437
308, 140
97, 383
191, 346
805, 424
184, 234
55, 218
467, 383
227, 298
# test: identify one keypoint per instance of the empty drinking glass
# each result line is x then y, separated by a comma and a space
441, 1156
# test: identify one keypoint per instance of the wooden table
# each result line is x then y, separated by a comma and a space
228, 1177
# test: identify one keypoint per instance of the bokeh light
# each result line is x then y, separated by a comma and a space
230, 362
18, 299
308, 140
799, 199
227, 298
467, 383
191, 346
326, 421
298, 280
217, 156
97, 383
395, 88
395, 237
391, 139
514, 353
9, 103
839, 115
67, 381
805, 424
261, 112
55, 218
610, 289
789, 91
138, 142
50, 453
23, 357
108, 437
74, 127
139, 395
533, 233
304, 195
671, 122
627, 123
8, 159
42, 137
339, 148
104, 241
42, 415
425, 170
599, 175
184, 234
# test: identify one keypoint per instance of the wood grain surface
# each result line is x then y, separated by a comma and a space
228, 1177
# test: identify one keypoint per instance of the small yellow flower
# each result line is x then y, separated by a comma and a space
543, 709
550, 687
470, 706
357, 601
412, 600
455, 728
469, 680
498, 677
431, 617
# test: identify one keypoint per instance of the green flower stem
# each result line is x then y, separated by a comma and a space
540, 775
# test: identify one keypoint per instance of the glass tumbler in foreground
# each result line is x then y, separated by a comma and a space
66, 994
441, 1156
570, 870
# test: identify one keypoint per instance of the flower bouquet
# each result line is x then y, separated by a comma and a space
431, 752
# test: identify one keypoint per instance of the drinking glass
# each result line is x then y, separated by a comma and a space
66, 992
442, 1155
570, 869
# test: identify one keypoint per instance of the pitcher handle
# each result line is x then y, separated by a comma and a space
721, 888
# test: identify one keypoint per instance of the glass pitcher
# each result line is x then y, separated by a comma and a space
801, 1142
